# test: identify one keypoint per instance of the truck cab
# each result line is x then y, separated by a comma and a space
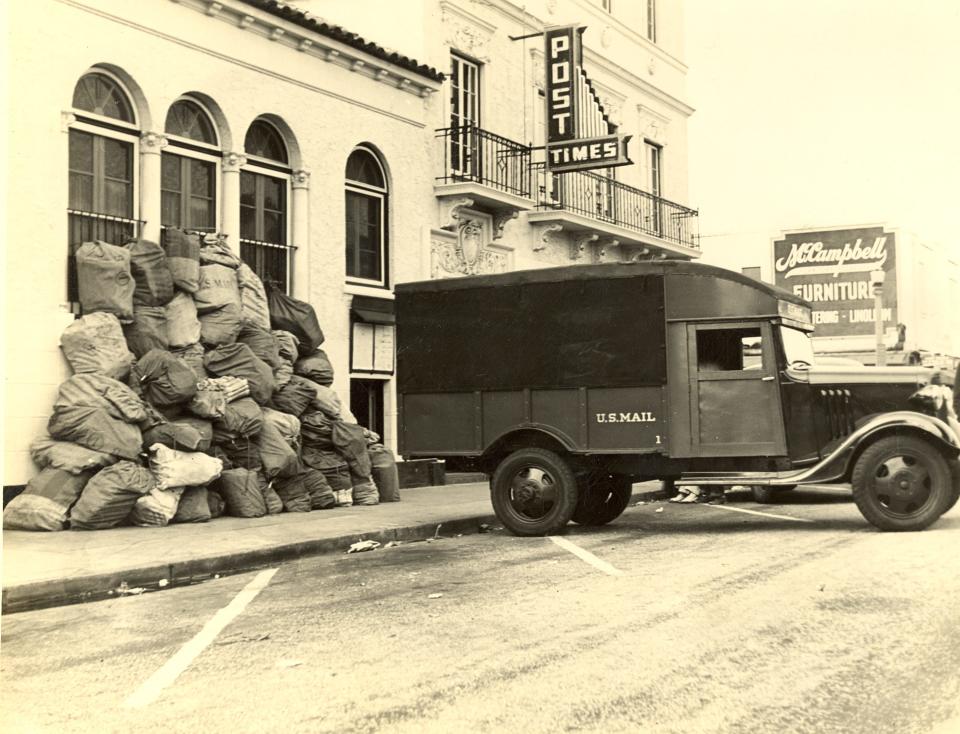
567, 385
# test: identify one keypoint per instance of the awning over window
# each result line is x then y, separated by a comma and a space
373, 310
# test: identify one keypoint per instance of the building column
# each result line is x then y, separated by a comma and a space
300, 235
151, 145
230, 199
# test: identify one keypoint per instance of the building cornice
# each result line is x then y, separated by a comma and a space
242, 63
298, 31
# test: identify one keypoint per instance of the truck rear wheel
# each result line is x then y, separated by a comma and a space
603, 498
902, 483
533, 492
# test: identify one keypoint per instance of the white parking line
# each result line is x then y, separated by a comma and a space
755, 512
587, 556
166, 675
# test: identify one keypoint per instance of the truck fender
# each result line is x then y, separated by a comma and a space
839, 462
542, 435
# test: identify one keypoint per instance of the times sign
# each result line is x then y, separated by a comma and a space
566, 149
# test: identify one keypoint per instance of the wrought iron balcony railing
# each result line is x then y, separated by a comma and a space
608, 200
269, 260
472, 154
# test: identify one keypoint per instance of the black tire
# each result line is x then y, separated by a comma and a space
902, 483
765, 495
955, 475
533, 492
603, 498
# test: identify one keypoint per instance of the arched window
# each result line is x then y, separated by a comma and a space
264, 208
103, 140
366, 207
102, 95
264, 141
188, 182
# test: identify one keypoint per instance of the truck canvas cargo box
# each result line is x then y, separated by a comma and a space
568, 384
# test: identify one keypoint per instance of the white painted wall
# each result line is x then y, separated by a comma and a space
169, 49
166, 49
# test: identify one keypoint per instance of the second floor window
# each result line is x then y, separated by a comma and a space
654, 155
464, 113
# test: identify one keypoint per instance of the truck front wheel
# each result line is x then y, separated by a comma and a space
533, 492
603, 498
902, 483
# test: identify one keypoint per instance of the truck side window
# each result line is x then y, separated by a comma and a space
723, 350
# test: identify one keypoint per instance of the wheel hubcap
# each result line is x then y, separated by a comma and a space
902, 484
532, 492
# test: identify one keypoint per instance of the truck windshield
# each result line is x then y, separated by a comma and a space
797, 347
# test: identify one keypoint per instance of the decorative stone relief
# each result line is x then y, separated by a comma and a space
465, 253
578, 247
653, 125
301, 179
543, 238
151, 142
607, 249
232, 162
466, 32
451, 211
500, 221
652, 66
612, 102
635, 255
551, 6
606, 37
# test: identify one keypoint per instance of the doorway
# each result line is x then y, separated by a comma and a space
367, 405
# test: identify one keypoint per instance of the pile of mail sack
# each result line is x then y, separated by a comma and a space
196, 392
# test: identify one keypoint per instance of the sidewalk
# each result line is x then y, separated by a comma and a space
50, 569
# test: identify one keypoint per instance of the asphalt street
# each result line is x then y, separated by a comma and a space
794, 617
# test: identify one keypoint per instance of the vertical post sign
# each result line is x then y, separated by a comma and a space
565, 108
563, 57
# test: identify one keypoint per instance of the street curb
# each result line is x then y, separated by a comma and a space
61, 592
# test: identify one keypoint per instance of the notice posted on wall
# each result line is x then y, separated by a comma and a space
373, 348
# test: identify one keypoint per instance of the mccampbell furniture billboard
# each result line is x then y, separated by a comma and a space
831, 269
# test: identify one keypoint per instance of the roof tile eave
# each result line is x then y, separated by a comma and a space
304, 20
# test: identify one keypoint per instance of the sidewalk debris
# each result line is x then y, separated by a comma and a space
363, 545
125, 590
484, 528
434, 596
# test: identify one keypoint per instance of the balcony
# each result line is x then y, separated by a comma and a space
584, 201
486, 171
492, 171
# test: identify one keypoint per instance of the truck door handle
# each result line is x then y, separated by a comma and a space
768, 378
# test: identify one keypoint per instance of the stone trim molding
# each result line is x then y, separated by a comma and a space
312, 43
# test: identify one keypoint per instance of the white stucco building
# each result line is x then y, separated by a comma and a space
341, 147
